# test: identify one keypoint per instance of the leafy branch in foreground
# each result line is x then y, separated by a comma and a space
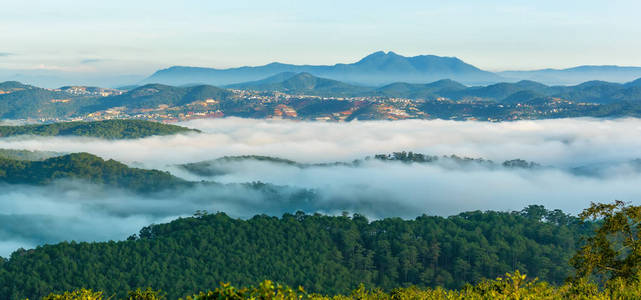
511, 286
615, 250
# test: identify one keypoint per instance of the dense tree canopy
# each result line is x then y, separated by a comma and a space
86, 167
27, 154
615, 250
322, 253
108, 129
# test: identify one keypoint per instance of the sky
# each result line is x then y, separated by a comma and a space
135, 38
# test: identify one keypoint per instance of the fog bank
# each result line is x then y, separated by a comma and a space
560, 142
584, 160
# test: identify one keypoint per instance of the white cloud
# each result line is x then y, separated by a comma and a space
65, 211
560, 142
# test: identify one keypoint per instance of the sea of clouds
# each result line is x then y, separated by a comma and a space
33, 215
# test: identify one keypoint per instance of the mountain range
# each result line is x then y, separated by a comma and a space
575, 75
375, 69
19, 101
513, 92
381, 68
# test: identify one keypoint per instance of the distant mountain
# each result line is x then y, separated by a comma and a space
262, 83
420, 91
55, 78
601, 92
517, 92
635, 83
378, 68
12, 86
304, 83
524, 97
523, 91
21, 101
154, 95
503, 90
576, 75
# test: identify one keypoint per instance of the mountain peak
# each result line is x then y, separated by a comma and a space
379, 55
634, 83
378, 68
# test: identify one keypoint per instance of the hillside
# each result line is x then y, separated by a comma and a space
592, 91
262, 83
375, 69
154, 95
85, 167
19, 101
263, 99
222, 166
27, 155
107, 129
304, 83
576, 75
323, 253
420, 91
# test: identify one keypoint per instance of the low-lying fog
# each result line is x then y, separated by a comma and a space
602, 150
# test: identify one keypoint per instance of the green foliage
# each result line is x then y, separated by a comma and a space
153, 95
219, 166
87, 167
27, 155
306, 84
325, 254
510, 286
82, 294
615, 250
212, 167
147, 294
29, 102
411, 157
266, 290
107, 129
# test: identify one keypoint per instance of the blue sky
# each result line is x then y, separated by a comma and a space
139, 36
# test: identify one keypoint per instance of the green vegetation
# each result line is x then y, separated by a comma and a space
443, 99
211, 167
510, 286
614, 252
27, 155
19, 101
218, 167
108, 129
153, 95
324, 254
86, 167
305, 84
607, 265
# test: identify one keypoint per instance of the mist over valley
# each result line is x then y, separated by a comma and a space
249, 167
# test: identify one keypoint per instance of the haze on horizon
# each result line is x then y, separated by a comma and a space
119, 41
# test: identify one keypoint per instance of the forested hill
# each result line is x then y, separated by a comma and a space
86, 167
323, 253
107, 129
220, 166
27, 154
